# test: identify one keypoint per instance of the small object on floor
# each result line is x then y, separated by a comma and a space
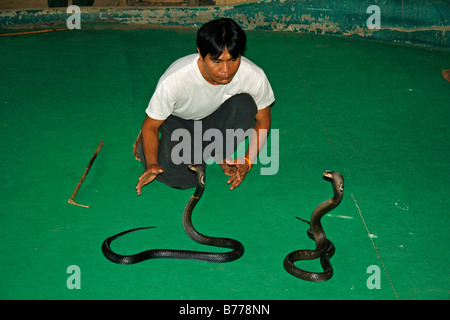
99, 147
32, 32
446, 74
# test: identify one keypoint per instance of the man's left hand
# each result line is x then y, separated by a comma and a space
240, 167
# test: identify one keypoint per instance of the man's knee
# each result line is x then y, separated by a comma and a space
244, 104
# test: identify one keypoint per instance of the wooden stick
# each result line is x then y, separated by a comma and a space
99, 147
31, 32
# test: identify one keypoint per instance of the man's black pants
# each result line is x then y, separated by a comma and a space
238, 112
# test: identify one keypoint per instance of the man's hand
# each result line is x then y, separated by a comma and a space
150, 140
237, 169
227, 169
148, 176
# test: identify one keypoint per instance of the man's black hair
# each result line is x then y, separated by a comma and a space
216, 35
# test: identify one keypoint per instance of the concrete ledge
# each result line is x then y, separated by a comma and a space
422, 22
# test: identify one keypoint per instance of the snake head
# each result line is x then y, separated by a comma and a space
336, 178
328, 174
198, 169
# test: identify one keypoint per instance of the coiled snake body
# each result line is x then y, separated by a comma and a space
238, 248
324, 247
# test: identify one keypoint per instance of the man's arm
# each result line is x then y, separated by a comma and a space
257, 141
150, 141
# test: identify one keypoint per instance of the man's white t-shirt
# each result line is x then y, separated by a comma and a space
183, 92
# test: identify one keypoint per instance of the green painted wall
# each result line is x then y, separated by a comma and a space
409, 21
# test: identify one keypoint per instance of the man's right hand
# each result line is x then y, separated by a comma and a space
149, 136
148, 176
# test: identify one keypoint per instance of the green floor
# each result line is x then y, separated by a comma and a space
376, 112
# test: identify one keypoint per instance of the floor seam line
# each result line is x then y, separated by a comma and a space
374, 246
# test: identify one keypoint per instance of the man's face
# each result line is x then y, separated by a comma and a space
220, 70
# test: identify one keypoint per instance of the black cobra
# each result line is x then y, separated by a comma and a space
238, 248
324, 247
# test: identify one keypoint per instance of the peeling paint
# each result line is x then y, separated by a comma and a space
425, 24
